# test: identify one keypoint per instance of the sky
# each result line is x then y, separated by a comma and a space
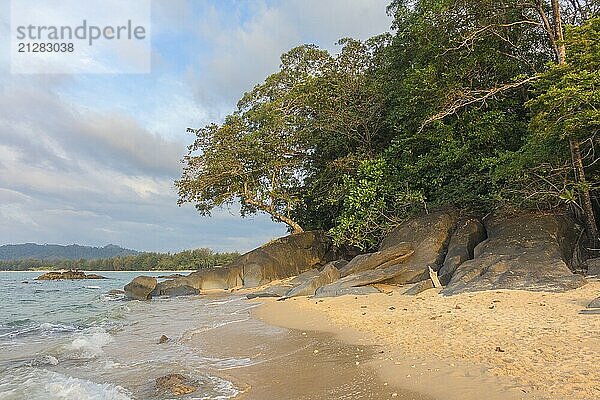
91, 158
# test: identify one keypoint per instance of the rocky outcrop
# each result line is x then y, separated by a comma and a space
328, 275
63, 275
468, 234
529, 252
593, 267
283, 258
405, 255
175, 385
392, 255
140, 288
279, 259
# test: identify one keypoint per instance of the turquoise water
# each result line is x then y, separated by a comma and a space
75, 340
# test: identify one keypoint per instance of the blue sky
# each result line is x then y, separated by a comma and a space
91, 158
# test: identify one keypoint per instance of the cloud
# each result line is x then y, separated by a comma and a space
247, 42
91, 159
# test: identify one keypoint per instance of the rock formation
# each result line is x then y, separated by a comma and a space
62, 275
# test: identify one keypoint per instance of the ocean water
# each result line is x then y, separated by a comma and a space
74, 340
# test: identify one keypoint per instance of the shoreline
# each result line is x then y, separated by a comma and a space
499, 344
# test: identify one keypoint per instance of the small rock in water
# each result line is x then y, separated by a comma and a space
163, 339
175, 384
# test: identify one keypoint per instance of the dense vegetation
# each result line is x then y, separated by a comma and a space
185, 260
58, 252
478, 104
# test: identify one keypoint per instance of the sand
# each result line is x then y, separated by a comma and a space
494, 345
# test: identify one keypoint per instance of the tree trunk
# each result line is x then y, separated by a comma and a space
585, 198
589, 218
296, 228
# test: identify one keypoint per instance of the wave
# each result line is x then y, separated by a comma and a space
38, 384
43, 329
88, 343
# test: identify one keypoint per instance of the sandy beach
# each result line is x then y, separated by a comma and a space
498, 345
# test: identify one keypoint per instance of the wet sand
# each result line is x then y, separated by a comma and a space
297, 365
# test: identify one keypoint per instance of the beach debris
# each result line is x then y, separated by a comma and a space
175, 384
499, 349
457, 307
163, 339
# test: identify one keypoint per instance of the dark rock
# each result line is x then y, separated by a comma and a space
595, 303
329, 291
593, 267
172, 276
140, 288
420, 287
175, 385
163, 339
329, 274
381, 259
527, 252
174, 288
339, 264
590, 311
61, 275
468, 234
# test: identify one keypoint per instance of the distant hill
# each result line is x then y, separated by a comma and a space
12, 252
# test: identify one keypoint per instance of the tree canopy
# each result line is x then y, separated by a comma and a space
476, 104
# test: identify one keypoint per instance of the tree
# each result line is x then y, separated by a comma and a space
258, 155
568, 104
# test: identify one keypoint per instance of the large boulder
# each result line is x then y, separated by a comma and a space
283, 258
392, 255
405, 255
328, 275
468, 234
528, 252
140, 288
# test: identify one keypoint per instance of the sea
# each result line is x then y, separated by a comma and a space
80, 340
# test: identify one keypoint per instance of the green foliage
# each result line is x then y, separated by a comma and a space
438, 113
374, 202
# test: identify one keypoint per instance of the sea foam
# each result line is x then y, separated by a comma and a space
39, 384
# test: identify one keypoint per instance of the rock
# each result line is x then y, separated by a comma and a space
381, 259
140, 288
426, 235
329, 274
420, 287
163, 339
595, 303
175, 385
526, 252
339, 264
590, 311
468, 234
429, 236
329, 291
172, 276
116, 292
172, 288
593, 267
272, 291
60, 275
281, 258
